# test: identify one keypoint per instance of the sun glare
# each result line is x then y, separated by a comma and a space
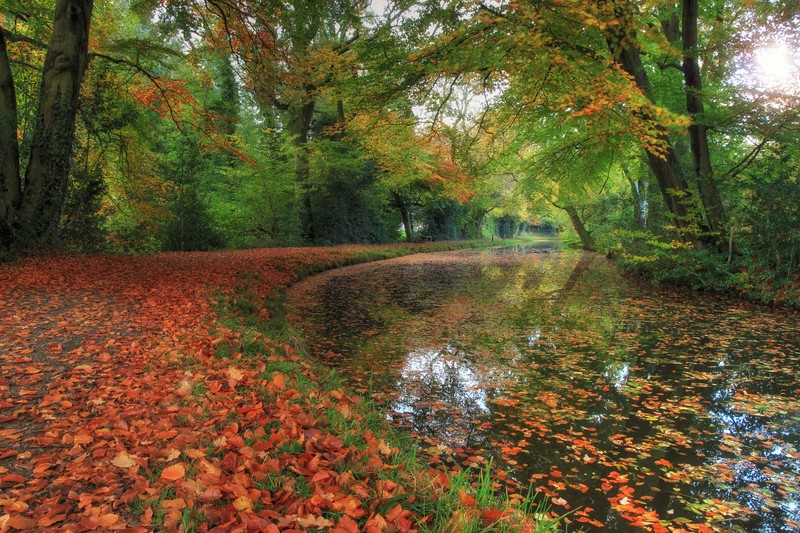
776, 66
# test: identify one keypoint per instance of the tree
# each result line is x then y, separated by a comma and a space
31, 208
291, 53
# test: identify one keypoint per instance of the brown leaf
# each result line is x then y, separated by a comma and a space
21, 522
123, 460
107, 519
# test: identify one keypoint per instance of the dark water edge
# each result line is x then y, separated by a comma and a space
635, 407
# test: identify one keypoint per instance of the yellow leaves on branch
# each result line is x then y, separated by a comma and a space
615, 107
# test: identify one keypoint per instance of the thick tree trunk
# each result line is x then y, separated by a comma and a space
9, 149
409, 228
586, 237
405, 213
47, 174
299, 125
712, 202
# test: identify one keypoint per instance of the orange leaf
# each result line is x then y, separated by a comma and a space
123, 460
174, 472
467, 500
21, 522
312, 520
345, 525
243, 503
194, 453
82, 438
10, 434
177, 503
107, 519
46, 521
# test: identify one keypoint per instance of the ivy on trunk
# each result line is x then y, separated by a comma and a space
31, 206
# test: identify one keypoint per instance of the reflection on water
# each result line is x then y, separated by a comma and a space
436, 372
635, 407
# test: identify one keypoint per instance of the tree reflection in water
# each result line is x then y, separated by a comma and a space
633, 406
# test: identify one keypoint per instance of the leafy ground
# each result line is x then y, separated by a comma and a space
139, 393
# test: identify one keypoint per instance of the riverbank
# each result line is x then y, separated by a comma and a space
627, 404
144, 393
703, 270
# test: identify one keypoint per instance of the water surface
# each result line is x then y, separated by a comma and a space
634, 407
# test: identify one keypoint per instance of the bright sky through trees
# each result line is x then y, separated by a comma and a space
777, 66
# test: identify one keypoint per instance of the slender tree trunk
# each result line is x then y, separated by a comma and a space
299, 125
712, 202
586, 237
47, 173
674, 189
639, 197
340, 112
9, 149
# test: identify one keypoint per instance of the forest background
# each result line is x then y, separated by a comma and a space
664, 133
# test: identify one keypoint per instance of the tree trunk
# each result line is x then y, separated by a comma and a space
405, 213
586, 237
712, 202
299, 125
9, 149
481, 216
639, 197
674, 189
47, 174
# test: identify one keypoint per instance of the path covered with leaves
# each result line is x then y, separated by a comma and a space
126, 403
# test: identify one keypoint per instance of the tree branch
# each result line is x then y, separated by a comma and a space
153, 79
748, 160
17, 38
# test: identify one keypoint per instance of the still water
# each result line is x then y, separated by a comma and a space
634, 408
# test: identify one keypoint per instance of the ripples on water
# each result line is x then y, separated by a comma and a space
630, 405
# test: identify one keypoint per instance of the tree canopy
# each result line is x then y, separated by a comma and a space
663, 132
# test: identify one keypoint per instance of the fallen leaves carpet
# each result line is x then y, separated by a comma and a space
117, 413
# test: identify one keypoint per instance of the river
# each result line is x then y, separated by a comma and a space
630, 406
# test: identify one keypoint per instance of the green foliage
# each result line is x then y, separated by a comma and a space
190, 138
82, 226
347, 203
443, 220
191, 226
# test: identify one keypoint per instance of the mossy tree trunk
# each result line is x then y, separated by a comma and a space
675, 190
698, 131
9, 149
31, 211
299, 125
587, 241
